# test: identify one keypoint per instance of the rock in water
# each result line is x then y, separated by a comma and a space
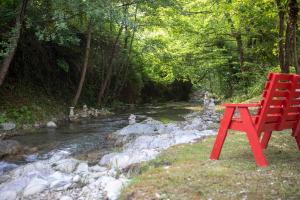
9, 147
35, 186
51, 124
7, 126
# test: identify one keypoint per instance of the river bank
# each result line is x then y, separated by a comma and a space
63, 176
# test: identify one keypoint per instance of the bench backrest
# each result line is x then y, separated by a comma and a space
280, 104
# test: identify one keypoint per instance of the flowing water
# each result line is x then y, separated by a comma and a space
91, 135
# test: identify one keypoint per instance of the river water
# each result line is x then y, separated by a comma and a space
91, 135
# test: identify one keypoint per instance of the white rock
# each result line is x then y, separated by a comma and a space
59, 184
66, 198
98, 174
66, 165
82, 168
35, 186
51, 124
60, 181
97, 168
76, 178
7, 126
112, 186
8, 195
127, 158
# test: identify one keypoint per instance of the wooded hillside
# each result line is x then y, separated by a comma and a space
99, 52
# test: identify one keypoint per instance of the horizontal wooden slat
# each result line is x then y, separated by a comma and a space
242, 105
289, 124
272, 118
295, 101
275, 126
279, 93
293, 109
290, 117
278, 102
296, 94
269, 126
236, 125
297, 86
283, 85
283, 77
274, 110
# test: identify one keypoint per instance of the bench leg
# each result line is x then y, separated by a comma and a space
253, 138
222, 133
265, 139
256, 148
298, 141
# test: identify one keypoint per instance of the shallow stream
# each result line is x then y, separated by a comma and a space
88, 136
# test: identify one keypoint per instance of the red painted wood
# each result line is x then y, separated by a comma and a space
242, 105
265, 139
298, 141
222, 133
253, 138
279, 109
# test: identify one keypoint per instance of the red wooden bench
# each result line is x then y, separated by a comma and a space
279, 109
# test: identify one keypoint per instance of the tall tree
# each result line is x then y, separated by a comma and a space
85, 63
291, 58
108, 76
14, 40
281, 15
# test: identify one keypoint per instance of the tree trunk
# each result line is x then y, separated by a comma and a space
239, 42
110, 67
240, 48
7, 60
281, 15
85, 64
291, 57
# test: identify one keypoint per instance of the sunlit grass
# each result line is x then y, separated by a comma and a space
185, 172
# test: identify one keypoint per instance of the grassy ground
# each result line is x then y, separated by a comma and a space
185, 172
27, 106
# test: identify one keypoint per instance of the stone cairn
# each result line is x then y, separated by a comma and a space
131, 119
86, 113
209, 114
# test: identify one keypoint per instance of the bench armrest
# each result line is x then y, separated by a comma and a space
242, 105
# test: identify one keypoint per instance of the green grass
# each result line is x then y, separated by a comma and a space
185, 172
27, 106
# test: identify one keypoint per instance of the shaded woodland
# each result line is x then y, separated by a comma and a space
133, 51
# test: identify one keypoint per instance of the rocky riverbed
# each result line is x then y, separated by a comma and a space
63, 177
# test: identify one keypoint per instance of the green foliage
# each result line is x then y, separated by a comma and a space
225, 47
22, 115
3, 118
63, 65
